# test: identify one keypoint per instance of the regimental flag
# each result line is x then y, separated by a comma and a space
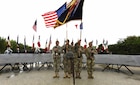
8, 42
73, 12
60, 10
81, 25
33, 44
35, 26
38, 43
51, 17
50, 42
77, 12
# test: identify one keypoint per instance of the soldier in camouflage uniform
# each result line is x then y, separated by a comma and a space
57, 59
78, 58
90, 51
66, 62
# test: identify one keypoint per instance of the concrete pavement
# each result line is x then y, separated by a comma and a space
45, 77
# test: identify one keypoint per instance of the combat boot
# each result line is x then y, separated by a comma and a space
88, 77
65, 75
69, 75
79, 76
55, 76
91, 77
76, 75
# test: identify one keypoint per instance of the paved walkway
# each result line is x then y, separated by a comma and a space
45, 77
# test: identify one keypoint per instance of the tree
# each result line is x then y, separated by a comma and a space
130, 45
2, 45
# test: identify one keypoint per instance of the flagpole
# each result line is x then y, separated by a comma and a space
80, 34
81, 27
50, 42
66, 32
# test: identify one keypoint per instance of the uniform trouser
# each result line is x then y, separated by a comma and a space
56, 63
67, 65
78, 65
90, 66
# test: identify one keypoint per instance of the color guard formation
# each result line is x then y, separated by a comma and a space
77, 50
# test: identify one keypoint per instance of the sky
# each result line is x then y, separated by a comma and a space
110, 20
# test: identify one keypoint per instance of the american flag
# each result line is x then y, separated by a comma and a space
35, 26
50, 18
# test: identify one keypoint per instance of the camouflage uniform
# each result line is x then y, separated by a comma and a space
90, 51
57, 59
67, 62
78, 59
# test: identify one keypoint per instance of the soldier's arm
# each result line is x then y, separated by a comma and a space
53, 50
95, 51
82, 50
87, 53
